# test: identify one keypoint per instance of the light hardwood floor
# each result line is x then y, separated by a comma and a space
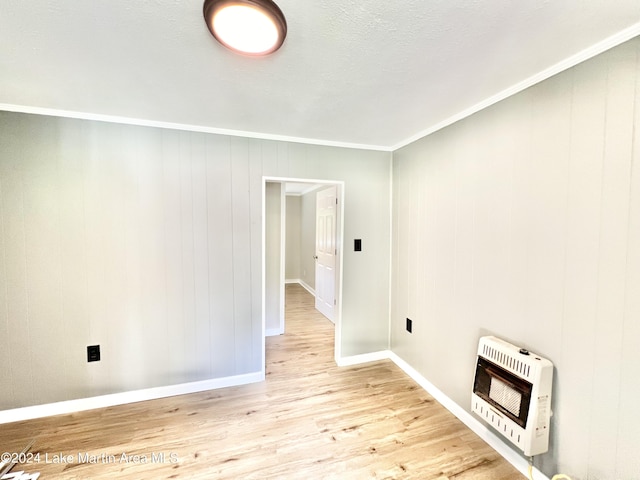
309, 420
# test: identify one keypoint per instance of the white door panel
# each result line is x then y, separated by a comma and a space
326, 252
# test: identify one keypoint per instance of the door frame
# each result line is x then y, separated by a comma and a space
281, 263
340, 263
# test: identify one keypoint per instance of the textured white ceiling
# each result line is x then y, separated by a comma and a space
371, 72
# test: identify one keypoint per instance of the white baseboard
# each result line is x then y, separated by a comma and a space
303, 284
273, 332
71, 406
307, 287
102, 401
484, 432
363, 358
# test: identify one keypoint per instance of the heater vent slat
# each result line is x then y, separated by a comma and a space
512, 393
507, 361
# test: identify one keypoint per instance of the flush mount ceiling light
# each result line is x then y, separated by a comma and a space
249, 27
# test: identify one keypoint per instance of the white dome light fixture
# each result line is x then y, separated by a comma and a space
248, 27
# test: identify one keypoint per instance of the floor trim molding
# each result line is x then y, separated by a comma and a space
273, 332
82, 404
307, 287
302, 283
363, 358
484, 432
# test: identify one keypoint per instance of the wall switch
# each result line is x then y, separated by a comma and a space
357, 245
409, 325
93, 353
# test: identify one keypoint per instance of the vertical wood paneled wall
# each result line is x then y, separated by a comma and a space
149, 242
523, 221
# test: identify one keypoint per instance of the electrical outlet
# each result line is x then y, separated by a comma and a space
93, 353
409, 325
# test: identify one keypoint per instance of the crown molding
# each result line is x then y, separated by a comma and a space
586, 54
54, 112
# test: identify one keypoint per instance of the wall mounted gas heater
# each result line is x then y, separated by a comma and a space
512, 393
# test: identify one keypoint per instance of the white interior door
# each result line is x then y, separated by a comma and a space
326, 251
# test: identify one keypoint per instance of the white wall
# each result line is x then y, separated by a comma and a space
308, 238
293, 236
148, 242
523, 221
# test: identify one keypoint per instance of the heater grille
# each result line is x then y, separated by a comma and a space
509, 398
512, 393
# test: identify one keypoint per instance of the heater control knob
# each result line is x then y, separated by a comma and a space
524, 351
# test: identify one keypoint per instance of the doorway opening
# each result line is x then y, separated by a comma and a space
275, 249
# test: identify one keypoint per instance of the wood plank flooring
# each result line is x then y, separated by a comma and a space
309, 420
